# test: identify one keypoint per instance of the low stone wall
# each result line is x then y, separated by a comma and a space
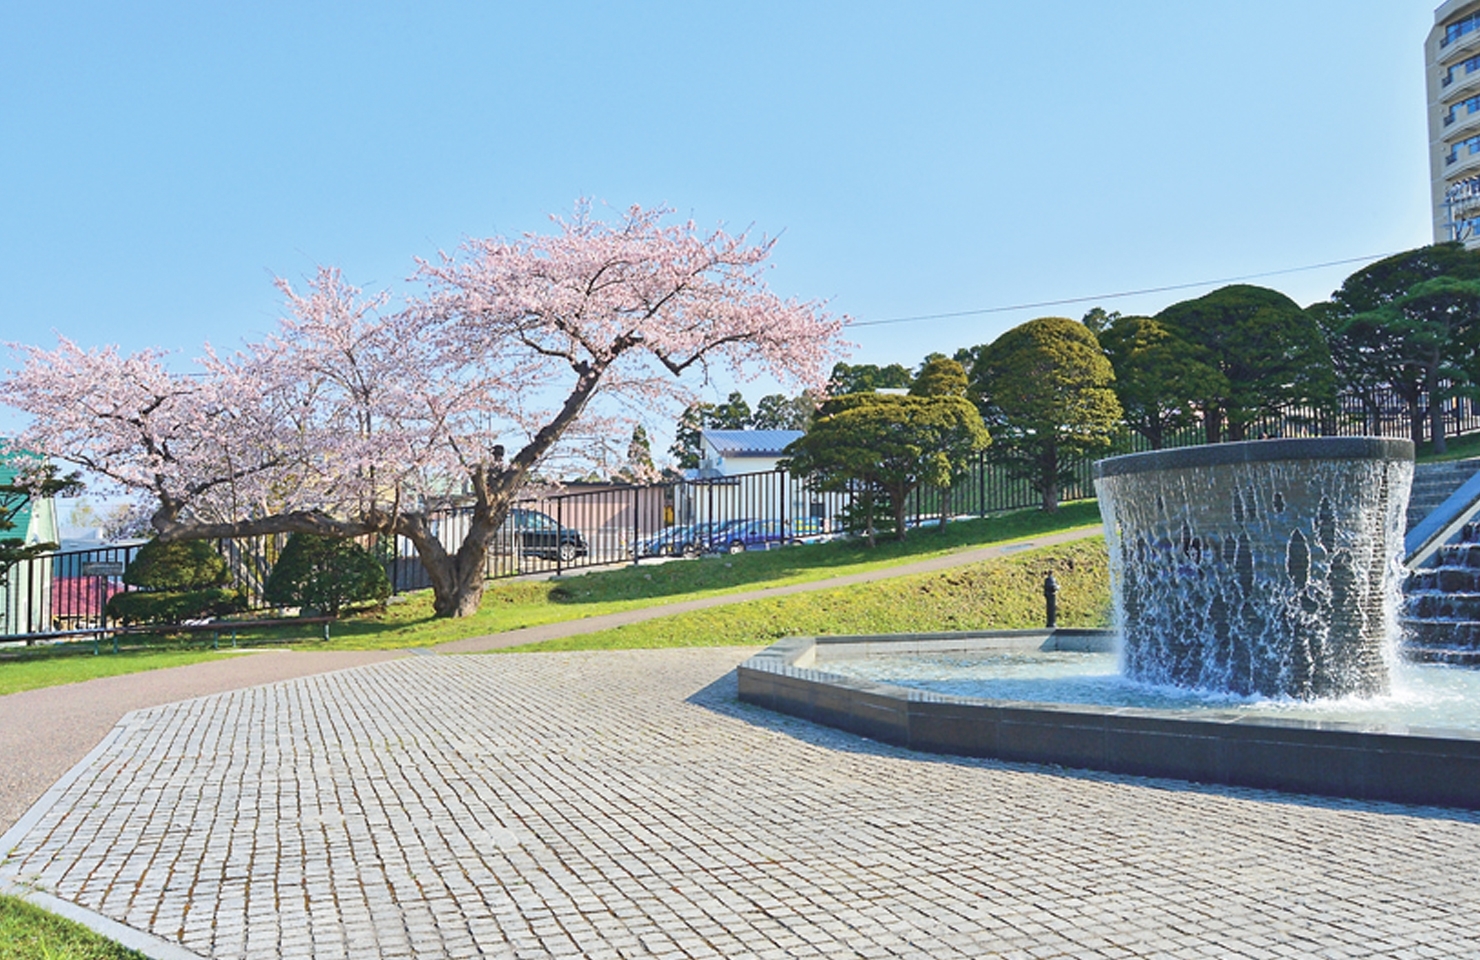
1332, 759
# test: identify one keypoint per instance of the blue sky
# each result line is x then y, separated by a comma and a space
162, 161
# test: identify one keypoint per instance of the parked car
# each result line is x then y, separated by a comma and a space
707, 537
537, 534
681, 540
742, 535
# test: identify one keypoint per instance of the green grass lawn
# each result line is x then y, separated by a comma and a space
1459, 448
30, 933
1003, 593
28, 672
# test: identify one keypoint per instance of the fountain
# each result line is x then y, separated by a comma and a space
1263, 572
1270, 567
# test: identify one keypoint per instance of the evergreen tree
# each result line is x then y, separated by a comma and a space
866, 378
884, 446
1045, 391
1384, 331
16, 496
1270, 353
1157, 376
325, 573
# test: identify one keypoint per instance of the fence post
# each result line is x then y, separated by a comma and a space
559, 531
981, 485
636, 507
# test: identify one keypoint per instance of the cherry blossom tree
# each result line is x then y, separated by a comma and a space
355, 418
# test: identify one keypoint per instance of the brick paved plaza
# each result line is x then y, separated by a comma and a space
626, 805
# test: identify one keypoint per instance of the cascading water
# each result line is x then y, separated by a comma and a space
1271, 567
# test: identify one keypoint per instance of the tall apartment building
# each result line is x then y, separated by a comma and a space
1452, 73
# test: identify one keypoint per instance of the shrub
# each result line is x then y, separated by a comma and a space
173, 606
182, 580
324, 573
179, 565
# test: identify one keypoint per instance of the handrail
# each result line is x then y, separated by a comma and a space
1440, 526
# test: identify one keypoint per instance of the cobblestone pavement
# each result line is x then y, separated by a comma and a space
624, 804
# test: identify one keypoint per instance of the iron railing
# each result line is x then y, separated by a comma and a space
602, 525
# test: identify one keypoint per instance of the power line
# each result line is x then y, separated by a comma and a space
1113, 296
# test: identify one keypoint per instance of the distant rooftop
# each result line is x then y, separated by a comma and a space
750, 443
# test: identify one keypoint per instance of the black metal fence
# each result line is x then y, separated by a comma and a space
601, 525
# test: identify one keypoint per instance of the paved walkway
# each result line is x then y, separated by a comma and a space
624, 804
43, 733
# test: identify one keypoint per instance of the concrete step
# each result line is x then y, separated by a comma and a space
1433, 483
1462, 634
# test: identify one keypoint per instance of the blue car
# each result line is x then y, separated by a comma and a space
742, 535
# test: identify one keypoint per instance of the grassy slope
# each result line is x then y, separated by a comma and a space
1459, 448
511, 605
29, 933
1003, 593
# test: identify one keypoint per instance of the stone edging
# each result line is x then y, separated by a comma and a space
1257, 451
1438, 767
12, 884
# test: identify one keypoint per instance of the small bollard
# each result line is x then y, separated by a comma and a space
1051, 600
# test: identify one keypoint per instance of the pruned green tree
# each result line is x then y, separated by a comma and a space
940, 376
325, 574
176, 581
1271, 355
884, 446
1157, 376
1437, 324
1384, 333
1045, 390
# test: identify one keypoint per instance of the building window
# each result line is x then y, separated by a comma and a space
1459, 28
1467, 147
1468, 66
1471, 105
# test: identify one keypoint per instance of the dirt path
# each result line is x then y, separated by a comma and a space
44, 733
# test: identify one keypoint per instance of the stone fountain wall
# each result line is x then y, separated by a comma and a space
1271, 567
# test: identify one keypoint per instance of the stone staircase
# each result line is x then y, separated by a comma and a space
1441, 609
1433, 483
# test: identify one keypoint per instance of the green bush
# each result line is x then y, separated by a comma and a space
178, 565
173, 606
181, 580
324, 573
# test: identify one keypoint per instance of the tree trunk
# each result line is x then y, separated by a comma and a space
1050, 477
1415, 423
898, 505
945, 507
1213, 423
1436, 413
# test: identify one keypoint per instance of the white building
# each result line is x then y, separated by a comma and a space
729, 453
1452, 75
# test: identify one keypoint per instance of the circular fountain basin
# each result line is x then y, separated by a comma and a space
1285, 745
